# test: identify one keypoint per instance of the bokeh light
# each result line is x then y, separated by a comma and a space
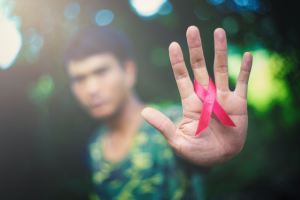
146, 8
71, 25
230, 25
60, 19
215, 2
32, 54
47, 25
203, 13
265, 88
72, 10
165, 9
34, 43
37, 42
10, 37
33, 50
242, 6
29, 35
42, 90
104, 17
253, 5
232, 6
241, 2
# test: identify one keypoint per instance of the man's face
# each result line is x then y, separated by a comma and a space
101, 84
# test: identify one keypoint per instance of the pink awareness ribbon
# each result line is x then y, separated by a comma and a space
210, 105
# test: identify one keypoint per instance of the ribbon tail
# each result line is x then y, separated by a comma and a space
204, 118
222, 115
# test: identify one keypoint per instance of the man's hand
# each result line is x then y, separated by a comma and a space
217, 143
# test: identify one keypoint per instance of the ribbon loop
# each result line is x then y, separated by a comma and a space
210, 105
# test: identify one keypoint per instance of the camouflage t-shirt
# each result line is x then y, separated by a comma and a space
150, 169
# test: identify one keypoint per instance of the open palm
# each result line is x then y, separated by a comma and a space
217, 143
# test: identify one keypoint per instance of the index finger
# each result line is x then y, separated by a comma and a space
181, 73
197, 56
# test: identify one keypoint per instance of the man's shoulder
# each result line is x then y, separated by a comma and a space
96, 133
94, 139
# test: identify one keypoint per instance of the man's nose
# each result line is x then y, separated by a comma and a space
92, 86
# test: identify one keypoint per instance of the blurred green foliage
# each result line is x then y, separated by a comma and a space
42, 90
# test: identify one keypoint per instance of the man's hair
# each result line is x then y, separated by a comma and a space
93, 40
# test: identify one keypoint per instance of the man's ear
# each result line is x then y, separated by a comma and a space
130, 70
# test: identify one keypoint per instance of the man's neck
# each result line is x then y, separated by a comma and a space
129, 118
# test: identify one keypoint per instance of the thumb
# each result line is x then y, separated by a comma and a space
160, 122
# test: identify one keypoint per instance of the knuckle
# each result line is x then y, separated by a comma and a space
163, 123
243, 81
196, 46
198, 63
182, 75
247, 71
175, 63
222, 69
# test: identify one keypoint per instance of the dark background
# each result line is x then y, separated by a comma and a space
43, 131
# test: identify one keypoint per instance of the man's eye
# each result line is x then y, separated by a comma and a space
78, 79
101, 71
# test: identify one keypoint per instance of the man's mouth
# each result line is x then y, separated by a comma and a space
97, 104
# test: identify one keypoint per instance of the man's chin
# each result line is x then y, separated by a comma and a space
103, 114
100, 115
107, 112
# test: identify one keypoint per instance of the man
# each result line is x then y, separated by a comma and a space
129, 158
